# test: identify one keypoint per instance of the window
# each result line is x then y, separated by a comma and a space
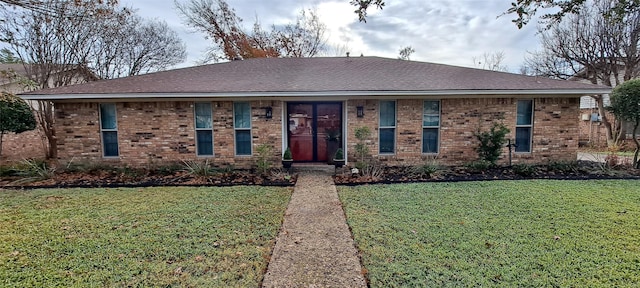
524, 125
387, 129
242, 127
430, 126
204, 129
109, 128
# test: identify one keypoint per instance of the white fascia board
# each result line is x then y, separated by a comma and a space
323, 94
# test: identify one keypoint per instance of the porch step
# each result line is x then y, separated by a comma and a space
313, 167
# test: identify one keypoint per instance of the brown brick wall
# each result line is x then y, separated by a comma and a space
78, 131
26, 145
157, 132
164, 131
555, 129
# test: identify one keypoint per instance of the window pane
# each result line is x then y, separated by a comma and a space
203, 115
524, 112
205, 142
108, 116
431, 120
387, 140
432, 107
110, 143
387, 113
431, 114
243, 142
523, 139
430, 140
242, 114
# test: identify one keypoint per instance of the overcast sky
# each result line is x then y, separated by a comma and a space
441, 31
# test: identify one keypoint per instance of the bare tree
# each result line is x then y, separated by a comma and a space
53, 47
64, 42
405, 53
491, 61
594, 47
45, 7
305, 38
215, 18
134, 46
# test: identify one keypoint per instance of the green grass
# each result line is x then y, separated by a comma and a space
152, 237
501, 233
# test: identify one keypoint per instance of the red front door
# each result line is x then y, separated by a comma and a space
309, 127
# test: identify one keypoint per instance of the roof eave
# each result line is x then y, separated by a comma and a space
345, 94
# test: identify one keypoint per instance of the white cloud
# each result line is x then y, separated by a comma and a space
442, 31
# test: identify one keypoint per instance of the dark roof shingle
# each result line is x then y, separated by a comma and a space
317, 75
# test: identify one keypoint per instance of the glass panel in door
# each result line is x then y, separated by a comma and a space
329, 131
301, 131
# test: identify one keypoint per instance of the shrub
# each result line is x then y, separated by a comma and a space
612, 160
287, 154
562, 166
15, 115
362, 150
373, 170
478, 166
492, 142
34, 170
168, 169
429, 168
524, 169
339, 154
198, 168
7, 171
263, 161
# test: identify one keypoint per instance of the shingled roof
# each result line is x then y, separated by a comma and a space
319, 76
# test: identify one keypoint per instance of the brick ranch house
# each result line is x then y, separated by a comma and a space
223, 112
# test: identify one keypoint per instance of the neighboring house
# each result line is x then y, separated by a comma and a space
223, 112
592, 131
14, 79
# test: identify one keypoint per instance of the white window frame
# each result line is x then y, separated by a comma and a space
432, 127
530, 126
195, 125
102, 130
394, 127
236, 129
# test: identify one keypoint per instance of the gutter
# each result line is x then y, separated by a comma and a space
325, 94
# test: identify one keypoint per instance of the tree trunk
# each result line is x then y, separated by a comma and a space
1, 136
46, 121
636, 163
611, 139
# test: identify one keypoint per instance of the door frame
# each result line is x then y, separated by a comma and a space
314, 127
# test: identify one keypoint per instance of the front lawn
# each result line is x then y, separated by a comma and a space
535, 233
190, 237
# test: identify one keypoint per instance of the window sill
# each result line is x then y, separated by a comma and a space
205, 156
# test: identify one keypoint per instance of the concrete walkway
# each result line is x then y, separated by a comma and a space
314, 247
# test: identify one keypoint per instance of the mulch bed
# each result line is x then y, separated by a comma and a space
143, 178
585, 170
